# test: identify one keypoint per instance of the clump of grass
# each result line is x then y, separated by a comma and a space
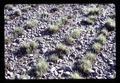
102, 39
61, 22
61, 48
104, 32
31, 23
93, 18
76, 75
86, 66
76, 33
18, 31
17, 12
97, 47
41, 67
93, 11
69, 40
32, 46
90, 56
54, 28
24, 48
7, 40
29, 47
110, 24
53, 58
90, 21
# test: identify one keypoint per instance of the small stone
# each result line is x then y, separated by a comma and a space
60, 71
91, 71
71, 59
111, 76
44, 50
56, 73
29, 68
67, 73
10, 73
73, 48
24, 17
14, 44
104, 55
9, 7
78, 48
17, 76
111, 62
59, 76
60, 61
17, 41
53, 69
31, 55
98, 77
24, 70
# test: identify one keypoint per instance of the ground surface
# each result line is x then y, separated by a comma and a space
20, 67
